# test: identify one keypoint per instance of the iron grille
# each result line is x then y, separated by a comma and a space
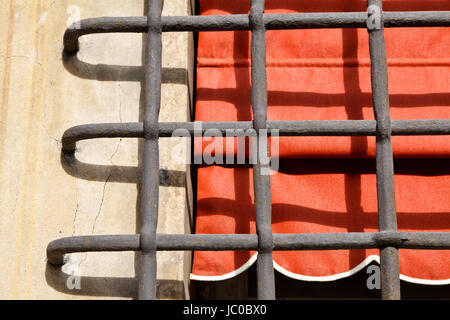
388, 240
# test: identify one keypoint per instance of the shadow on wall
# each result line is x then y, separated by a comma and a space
121, 174
114, 286
118, 174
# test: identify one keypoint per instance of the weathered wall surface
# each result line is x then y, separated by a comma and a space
44, 196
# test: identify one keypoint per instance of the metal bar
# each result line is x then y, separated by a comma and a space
222, 242
285, 128
95, 131
58, 248
387, 219
355, 20
388, 240
241, 22
261, 177
150, 162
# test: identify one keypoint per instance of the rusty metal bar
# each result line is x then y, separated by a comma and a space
261, 168
222, 242
387, 218
241, 22
285, 128
150, 162
388, 240
58, 248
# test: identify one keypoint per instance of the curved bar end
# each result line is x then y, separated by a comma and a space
68, 144
71, 36
54, 255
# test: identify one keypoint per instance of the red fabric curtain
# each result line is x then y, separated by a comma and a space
326, 184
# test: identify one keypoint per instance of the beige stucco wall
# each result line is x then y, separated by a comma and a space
43, 196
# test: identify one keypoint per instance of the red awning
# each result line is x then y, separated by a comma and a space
325, 75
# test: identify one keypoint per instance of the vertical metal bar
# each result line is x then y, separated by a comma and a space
386, 240
261, 177
389, 259
150, 165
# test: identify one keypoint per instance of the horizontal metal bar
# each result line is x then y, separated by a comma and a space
58, 248
244, 242
355, 20
241, 22
308, 241
286, 128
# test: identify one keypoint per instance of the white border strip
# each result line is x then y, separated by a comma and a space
297, 276
226, 276
333, 277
